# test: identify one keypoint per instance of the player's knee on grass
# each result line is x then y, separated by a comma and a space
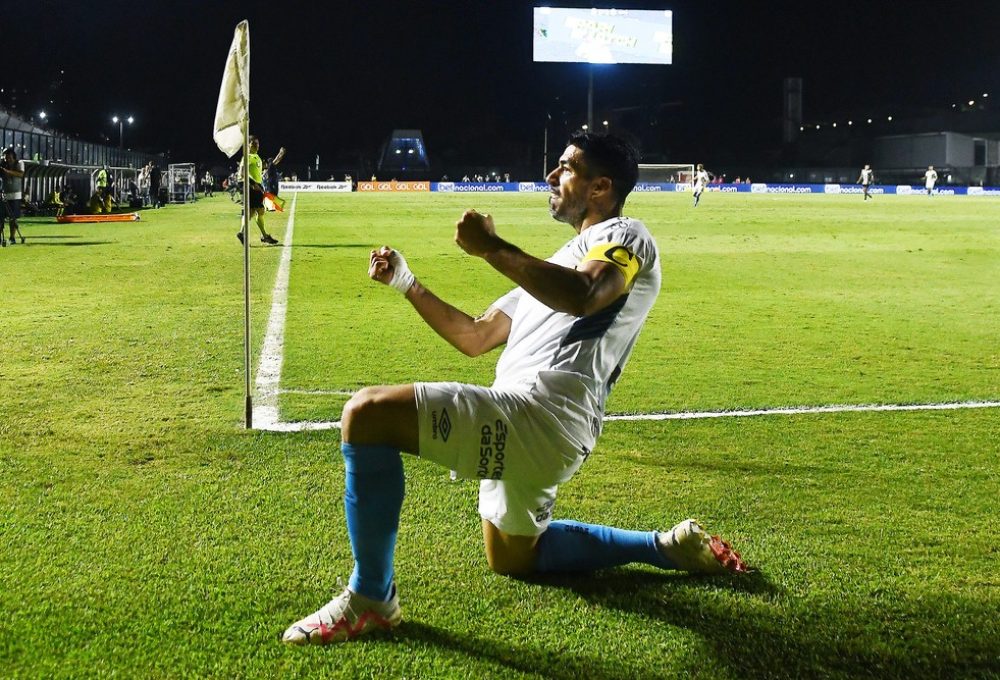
509, 555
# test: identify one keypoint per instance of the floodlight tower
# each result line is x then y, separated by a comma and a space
121, 126
601, 36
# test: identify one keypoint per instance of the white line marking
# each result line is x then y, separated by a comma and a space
801, 410
265, 410
688, 415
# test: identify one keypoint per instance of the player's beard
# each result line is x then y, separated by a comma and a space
565, 209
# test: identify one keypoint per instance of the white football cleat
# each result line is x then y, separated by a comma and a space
692, 550
344, 618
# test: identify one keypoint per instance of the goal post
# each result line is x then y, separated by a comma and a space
666, 173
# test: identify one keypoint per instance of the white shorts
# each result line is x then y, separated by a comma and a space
508, 440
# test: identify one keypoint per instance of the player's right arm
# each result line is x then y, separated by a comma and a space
471, 336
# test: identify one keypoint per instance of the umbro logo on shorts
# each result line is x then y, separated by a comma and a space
445, 424
442, 425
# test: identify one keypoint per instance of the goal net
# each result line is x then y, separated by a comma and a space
181, 182
666, 173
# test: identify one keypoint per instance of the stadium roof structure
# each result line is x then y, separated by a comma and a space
404, 151
12, 121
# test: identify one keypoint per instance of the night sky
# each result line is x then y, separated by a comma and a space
335, 78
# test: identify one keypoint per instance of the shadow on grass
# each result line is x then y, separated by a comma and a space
52, 236
753, 629
762, 632
556, 664
71, 244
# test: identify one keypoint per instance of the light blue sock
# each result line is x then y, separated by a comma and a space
573, 546
373, 497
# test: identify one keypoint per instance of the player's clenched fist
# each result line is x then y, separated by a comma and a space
388, 266
475, 233
379, 268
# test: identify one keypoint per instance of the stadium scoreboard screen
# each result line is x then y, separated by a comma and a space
603, 36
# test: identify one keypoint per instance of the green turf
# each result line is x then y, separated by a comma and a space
144, 534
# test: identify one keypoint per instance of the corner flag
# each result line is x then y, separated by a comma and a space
233, 111
232, 133
274, 202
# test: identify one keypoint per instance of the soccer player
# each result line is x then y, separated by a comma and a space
865, 179
930, 178
701, 180
569, 328
253, 166
271, 173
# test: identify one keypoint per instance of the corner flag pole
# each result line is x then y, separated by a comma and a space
232, 132
248, 418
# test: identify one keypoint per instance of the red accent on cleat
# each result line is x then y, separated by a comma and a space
727, 557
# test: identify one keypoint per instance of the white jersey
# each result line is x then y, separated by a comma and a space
930, 177
700, 180
866, 175
578, 359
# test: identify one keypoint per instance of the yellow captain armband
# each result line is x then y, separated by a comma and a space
620, 256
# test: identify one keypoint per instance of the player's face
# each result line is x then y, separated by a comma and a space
569, 185
254, 145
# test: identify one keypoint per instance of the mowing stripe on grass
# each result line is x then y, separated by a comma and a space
266, 414
265, 410
334, 393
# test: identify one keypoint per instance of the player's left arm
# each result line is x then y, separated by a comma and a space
583, 291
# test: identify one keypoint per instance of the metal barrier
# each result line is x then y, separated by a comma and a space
41, 179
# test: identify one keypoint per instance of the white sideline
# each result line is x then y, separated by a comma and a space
266, 415
265, 408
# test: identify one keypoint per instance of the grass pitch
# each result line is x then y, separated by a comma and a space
144, 534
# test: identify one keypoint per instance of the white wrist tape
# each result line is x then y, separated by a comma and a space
402, 278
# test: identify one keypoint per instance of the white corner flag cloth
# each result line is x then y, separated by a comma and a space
234, 97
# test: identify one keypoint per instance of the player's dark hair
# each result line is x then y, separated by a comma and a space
612, 157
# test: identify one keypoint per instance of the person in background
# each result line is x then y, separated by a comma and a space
12, 185
56, 200
208, 183
930, 179
142, 181
865, 179
95, 206
272, 177
154, 184
701, 181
